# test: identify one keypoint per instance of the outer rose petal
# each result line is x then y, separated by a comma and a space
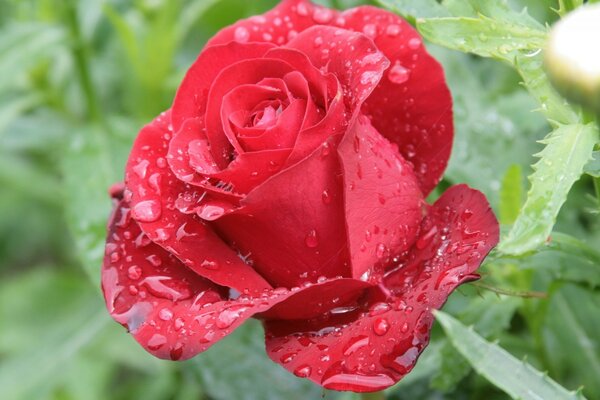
382, 200
192, 95
154, 190
172, 312
278, 26
371, 348
412, 105
292, 224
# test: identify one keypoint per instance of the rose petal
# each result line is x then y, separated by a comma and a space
337, 294
154, 190
276, 26
172, 312
192, 95
244, 72
352, 57
382, 200
292, 224
371, 348
191, 162
412, 105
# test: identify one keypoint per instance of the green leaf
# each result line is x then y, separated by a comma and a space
561, 163
23, 45
483, 36
89, 169
413, 9
593, 166
238, 368
490, 314
494, 125
566, 6
511, 194
516, 378
570, 337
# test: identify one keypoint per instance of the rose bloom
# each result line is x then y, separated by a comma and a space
287, 183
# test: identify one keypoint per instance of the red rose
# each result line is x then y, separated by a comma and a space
287, 183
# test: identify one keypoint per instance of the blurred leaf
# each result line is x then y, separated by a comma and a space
24, 45
238, 368
62, 338
88, 171
566, 6
517, 378
490, 314
511, 194
483, 36
570, 337
494, 125
413, 9
192, 13
561, 163
593, 166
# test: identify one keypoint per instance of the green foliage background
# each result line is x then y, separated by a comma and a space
79, 78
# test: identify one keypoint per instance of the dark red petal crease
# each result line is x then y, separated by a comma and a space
154, 190
412, 105
372, 347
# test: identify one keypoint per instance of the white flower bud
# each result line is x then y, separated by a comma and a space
572, 57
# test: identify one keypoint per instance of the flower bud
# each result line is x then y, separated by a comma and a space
572, 57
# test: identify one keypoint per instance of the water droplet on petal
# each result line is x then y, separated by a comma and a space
156, 342
134, 272
311, 240
322, 15
398, 74
326, 197
370, 30
393, 30
414, 43
147, 211
355, 344
165, 314
141, 168
241, 34
303, 371
288, 357
381, 326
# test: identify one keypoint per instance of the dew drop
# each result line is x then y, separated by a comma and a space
147, 211
322, 15
398, 74
326, 197
134, 272
356, 344
393, 30
165, 314
311, 240
381, 326
208, 264
370, 30
303, 371
141, 168
241, 34
414, 43
288, 357
156, 342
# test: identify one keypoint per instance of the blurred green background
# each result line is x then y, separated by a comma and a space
77, 81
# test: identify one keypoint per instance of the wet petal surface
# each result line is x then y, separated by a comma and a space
371, 347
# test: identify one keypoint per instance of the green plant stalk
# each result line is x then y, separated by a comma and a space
373, 396
81, 56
